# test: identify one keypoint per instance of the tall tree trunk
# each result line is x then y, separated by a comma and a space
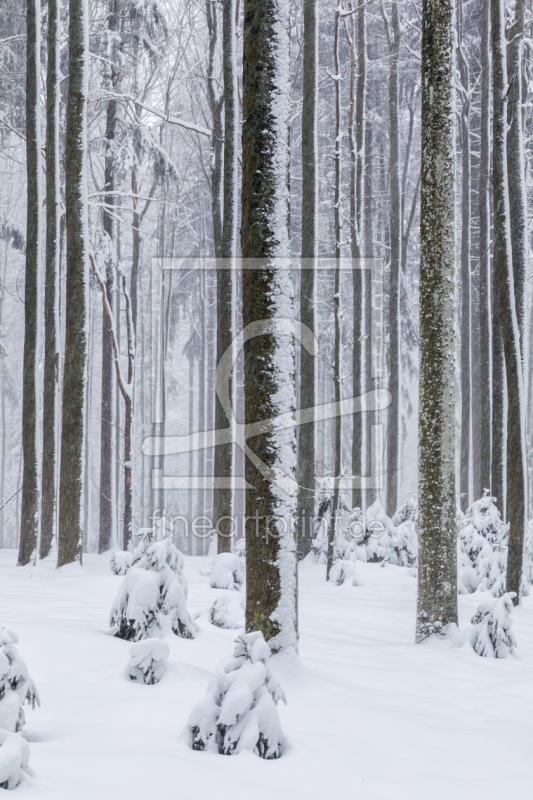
105, 540
515, 507
306, 433
371, 417
393, 428
356, 138
466, 320
223, 502
29, 520
71, 471
484, 257
437, 572
268, 295
337, 458
48, 477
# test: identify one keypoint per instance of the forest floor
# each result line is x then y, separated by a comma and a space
370, 716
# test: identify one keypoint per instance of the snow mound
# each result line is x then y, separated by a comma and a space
228, 611
342, 571
148, 661
16, 686
239, 711
492, 636
226, 572
14, 759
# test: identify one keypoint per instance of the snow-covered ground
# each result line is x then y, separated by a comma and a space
370, 716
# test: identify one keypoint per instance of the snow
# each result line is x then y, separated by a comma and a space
370, 715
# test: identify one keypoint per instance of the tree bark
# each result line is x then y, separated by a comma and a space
516, 473
437, 572
71, 471
29, 519
306, 433
268, 295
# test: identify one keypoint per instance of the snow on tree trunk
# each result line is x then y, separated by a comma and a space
239, 710
516, 461
268, 295
72, 479
437, 573
51, 355
30, 493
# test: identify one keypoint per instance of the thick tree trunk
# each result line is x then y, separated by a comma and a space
223, 504
393, 428
484, 257
466, 319
71, 471
30, 493
515, 506
437, 572
268, 295
50, 378
306, 433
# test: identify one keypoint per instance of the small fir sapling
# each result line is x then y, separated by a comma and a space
408, 512
228, 611
153, 596
16, 686
226, 572
148, 661
482, 539
239, 710
120, 562
14, 759
492, 635
342, 571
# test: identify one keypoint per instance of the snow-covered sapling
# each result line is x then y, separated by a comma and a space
120, 562
148, 661
153, 596
226, 572
14, 759
228, 611
239, 710
342, 571
482, 538
16, 686
492, 636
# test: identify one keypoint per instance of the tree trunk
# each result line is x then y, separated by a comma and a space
437, 572
484, 257
268, 295
223, 502
306, 433
393, 428
337, 458
515, 507
71, 472
29, 520
48, 477
466, 320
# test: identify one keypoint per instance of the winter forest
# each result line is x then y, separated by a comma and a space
266, 399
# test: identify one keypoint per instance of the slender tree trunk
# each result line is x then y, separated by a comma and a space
466, 318
485, 331
306, 433
356, 139
71, 471
48, 477
371, 417
30, 494
223, 502
393, 428
337, 460
437, 572
515, 507
268, 295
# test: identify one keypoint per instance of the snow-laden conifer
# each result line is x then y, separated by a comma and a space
14, 759
16, 686
153, 596
148, 661
492, 636
226, 572
239, 710
228, 611
482, 555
